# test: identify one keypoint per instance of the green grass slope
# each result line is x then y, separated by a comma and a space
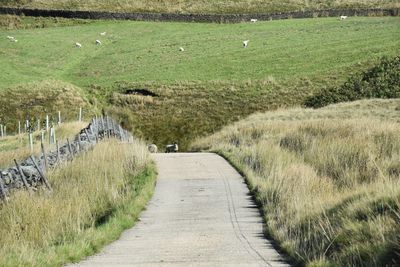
201, 6
285, 62
327, 180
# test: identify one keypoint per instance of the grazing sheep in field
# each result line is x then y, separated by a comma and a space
343, 17
181, 49
12, 39
171, 148
152, 148
78, 45
103, 33
246, 43
254, 20
98, 42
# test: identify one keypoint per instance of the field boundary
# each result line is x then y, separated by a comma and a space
205, 18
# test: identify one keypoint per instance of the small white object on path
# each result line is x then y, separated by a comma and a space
201, 214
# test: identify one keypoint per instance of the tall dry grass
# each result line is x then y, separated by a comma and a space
329, 187
95, 197
17, 146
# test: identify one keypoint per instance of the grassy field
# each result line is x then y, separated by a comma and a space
327, 180
286, 61
94, 199
201, 6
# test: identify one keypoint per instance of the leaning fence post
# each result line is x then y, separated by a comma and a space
69, 148
22, 176
3, 194
58, 152
41, 174
44, 156
87, 136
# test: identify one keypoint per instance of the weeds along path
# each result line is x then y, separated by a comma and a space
201, 214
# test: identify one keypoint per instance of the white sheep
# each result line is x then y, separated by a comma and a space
246, 43
103, 33
173, 148
254, 20
343, 17
10, 38
98, 42
78, 45
181, 49
152, 148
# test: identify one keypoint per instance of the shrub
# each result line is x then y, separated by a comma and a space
381, 81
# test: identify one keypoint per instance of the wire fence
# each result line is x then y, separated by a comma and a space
30, 174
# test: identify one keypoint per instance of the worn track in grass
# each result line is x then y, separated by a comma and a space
201, 215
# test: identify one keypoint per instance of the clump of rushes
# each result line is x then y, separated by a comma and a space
328, 186
95, 198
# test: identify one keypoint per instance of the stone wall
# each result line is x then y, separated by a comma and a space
213, 18
34, 168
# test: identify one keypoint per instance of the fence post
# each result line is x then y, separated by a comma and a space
3, 194
69, 148
87, 136
38, 124
31, 141
22, 177
54, 135
1, 130
58, 152
41, 174
19, 127
44, 155
47, 123
59, 118
80, 114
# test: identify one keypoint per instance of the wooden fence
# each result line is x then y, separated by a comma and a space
30, 173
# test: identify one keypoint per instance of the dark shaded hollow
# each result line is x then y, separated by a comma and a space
143, 92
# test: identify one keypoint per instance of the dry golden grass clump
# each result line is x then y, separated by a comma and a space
95, 197
328, 180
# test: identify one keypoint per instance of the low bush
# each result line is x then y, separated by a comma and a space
380, 81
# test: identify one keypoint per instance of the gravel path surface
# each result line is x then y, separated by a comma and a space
201, 214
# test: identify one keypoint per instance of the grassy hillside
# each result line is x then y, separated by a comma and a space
286, 61
35, 100
327, 180
201, 6
94, 199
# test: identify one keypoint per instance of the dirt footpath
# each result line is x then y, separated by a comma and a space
201, 214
